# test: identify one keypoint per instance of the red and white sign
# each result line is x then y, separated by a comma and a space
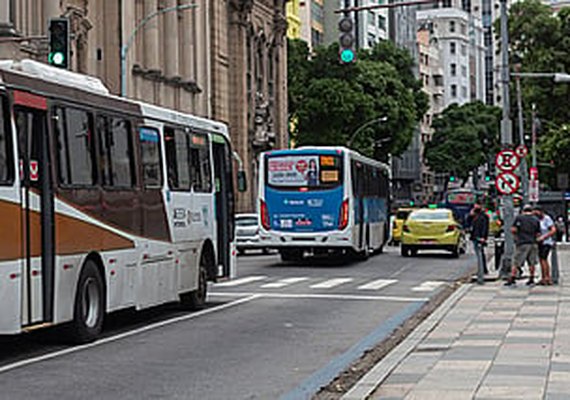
534, 173
507, 183
302, 166
34, 170
521, 151
507, 160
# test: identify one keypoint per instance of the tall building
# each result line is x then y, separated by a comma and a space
431, 75
312, 17
460, 42
370, 26
223, 60
293, 19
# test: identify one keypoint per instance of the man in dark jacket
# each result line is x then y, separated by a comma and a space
479, 233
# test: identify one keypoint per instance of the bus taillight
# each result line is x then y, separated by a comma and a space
264, 216
343, 218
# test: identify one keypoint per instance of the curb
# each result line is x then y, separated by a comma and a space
372, 380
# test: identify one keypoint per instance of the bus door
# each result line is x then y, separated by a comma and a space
30, 114
224, 200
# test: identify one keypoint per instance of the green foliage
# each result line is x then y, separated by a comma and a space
465, 137
329, 101
540, 42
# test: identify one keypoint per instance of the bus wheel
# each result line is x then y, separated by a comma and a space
196, 299
89, 308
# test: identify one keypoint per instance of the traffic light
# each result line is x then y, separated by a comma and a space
346, 52
487, 178
452, 178
59, 42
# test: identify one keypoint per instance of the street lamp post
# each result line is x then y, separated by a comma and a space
362, 127
125, 47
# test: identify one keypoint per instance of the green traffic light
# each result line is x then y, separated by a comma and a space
347, 55
487, 178
57, 58
412, 203
452, 179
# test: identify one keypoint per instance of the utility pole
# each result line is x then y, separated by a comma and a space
506, 141
523, 167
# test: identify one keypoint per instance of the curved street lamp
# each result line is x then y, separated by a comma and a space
362, 127
125, 48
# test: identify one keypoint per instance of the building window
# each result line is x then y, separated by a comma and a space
453, 91
451, 26
463, 91
463, 29
463, 50
464, 71
382, 22
317, 12
452, 48
453, 69
75, 147
371, 18
371, 40
316, 38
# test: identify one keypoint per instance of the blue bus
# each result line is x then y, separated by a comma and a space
461, 201
322, 200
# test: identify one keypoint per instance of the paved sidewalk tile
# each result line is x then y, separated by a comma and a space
494, 343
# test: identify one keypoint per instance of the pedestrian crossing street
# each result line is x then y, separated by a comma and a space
266, 282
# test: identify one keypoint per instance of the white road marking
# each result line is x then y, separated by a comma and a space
320, 296
377, 284
283, 282
331, 283
428, 286
125, 335
241, 281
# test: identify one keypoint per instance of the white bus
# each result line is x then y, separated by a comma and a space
323, 200
105, 203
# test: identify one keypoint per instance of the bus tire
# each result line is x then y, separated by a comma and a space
89, 307
196, 299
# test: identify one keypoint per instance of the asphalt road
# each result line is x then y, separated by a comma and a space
277, 331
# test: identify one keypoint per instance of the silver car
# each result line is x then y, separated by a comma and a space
247, 233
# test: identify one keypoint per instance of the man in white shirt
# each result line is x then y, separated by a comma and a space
545, 244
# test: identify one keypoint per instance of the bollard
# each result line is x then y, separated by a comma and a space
499, 250
554, 265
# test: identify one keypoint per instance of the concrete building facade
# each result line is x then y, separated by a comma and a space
224, 60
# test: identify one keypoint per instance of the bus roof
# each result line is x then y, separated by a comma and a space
328, 150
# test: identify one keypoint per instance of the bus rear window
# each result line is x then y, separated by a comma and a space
306, 171
461, 198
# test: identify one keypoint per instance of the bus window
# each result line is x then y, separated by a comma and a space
201, 173
116, 149
6, 164
150, 157
75, 147
177, 158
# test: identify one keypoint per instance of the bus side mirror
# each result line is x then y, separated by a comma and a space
241, 181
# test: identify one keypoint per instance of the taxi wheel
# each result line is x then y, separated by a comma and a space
456, 252
404, 250
413, 252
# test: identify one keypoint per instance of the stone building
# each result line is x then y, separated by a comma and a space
223, 59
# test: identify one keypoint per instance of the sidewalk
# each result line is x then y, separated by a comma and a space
484, 342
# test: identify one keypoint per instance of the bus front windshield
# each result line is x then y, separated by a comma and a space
304, 171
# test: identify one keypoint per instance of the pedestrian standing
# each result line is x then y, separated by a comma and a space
560, 228
479, 222
545, 244
526, 230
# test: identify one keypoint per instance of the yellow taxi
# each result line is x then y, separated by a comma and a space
432, 229
399, 218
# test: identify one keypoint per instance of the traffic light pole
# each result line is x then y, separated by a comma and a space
523, 167
506, 142
125, 48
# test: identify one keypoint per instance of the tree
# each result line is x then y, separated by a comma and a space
465, 137
540, 42
329, 101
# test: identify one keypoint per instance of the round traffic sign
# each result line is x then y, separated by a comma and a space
507, 160
507, 183
521, 151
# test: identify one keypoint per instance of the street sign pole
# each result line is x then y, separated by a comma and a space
506, 142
